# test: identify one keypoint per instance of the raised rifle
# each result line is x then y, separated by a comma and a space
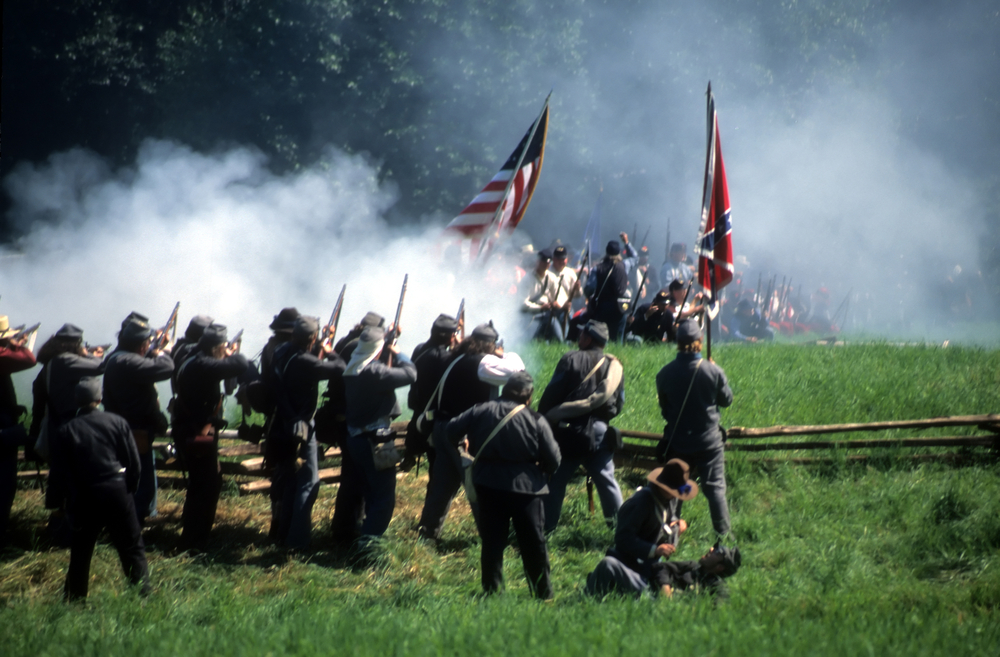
461, 319
236, 342
22, 332
330, 330
767, 300
680, 309
757, 298
645, 237
169, 329
638, 293
399, 312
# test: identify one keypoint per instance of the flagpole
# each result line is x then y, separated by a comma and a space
510, 183
706, 206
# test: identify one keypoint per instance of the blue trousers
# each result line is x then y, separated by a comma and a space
145, 494
446, 478
378, 487
299, 482
601, 468
612, 576
709, 470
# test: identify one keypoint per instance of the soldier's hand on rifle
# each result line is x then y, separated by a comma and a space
624, 237
18, 341
664, 550
232, 349
97, 352
325, 348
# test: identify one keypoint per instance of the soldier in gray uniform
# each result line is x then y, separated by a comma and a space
691, 390
370, 391
514, 453
96, 466
586, 391
130, 377
647, 532
295, 453
197, 420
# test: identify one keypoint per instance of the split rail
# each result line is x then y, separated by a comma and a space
245, 461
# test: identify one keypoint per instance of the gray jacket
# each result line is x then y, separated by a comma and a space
696, 429
518, 458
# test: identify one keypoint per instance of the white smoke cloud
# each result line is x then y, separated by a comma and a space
226, 238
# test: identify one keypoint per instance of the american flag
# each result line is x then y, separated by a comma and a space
499, 207
715, 240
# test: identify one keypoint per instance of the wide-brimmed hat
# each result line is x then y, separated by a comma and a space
5, 329
674, 479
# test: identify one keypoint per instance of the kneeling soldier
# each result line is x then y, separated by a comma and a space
95, 458
646, 531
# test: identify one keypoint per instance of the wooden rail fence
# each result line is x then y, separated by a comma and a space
244, 460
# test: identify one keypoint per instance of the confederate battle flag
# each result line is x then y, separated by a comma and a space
715, 240
499, 207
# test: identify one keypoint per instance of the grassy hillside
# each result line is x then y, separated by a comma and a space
889, 557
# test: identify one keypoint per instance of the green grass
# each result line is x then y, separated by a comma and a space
888, 557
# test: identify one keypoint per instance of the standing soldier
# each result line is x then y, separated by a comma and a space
586, 391
14, 357
607, 288
130, 377
187, 344
431, 359
514, 453
541, 288
568, 284
479, 367
97, 468
262, 395
65, 361
295, 452
197, 420
691, 390
370, 391
676, 267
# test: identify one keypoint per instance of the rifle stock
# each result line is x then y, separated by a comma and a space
170, 328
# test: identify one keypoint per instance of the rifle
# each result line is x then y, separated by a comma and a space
330, 330
399, 311
638, 293
757, 298
645, 237
22, 332
680, 309
169, 328
767, 299
461, 319
236, 342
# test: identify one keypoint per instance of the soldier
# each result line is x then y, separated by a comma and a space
349, 508
652, 277
568, 283
197, 420
607, 288
647, 532
541, 288
747, 325
691, 390
479, 366
370, 391
294, 455
430, 358
262, 396
130, 377
65, 361
14, 357
586, 391
96, 465
514, 452
654, 321
676, 267
188, 343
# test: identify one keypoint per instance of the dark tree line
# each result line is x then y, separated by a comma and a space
437, 91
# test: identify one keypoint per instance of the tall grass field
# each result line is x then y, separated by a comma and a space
889, 556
